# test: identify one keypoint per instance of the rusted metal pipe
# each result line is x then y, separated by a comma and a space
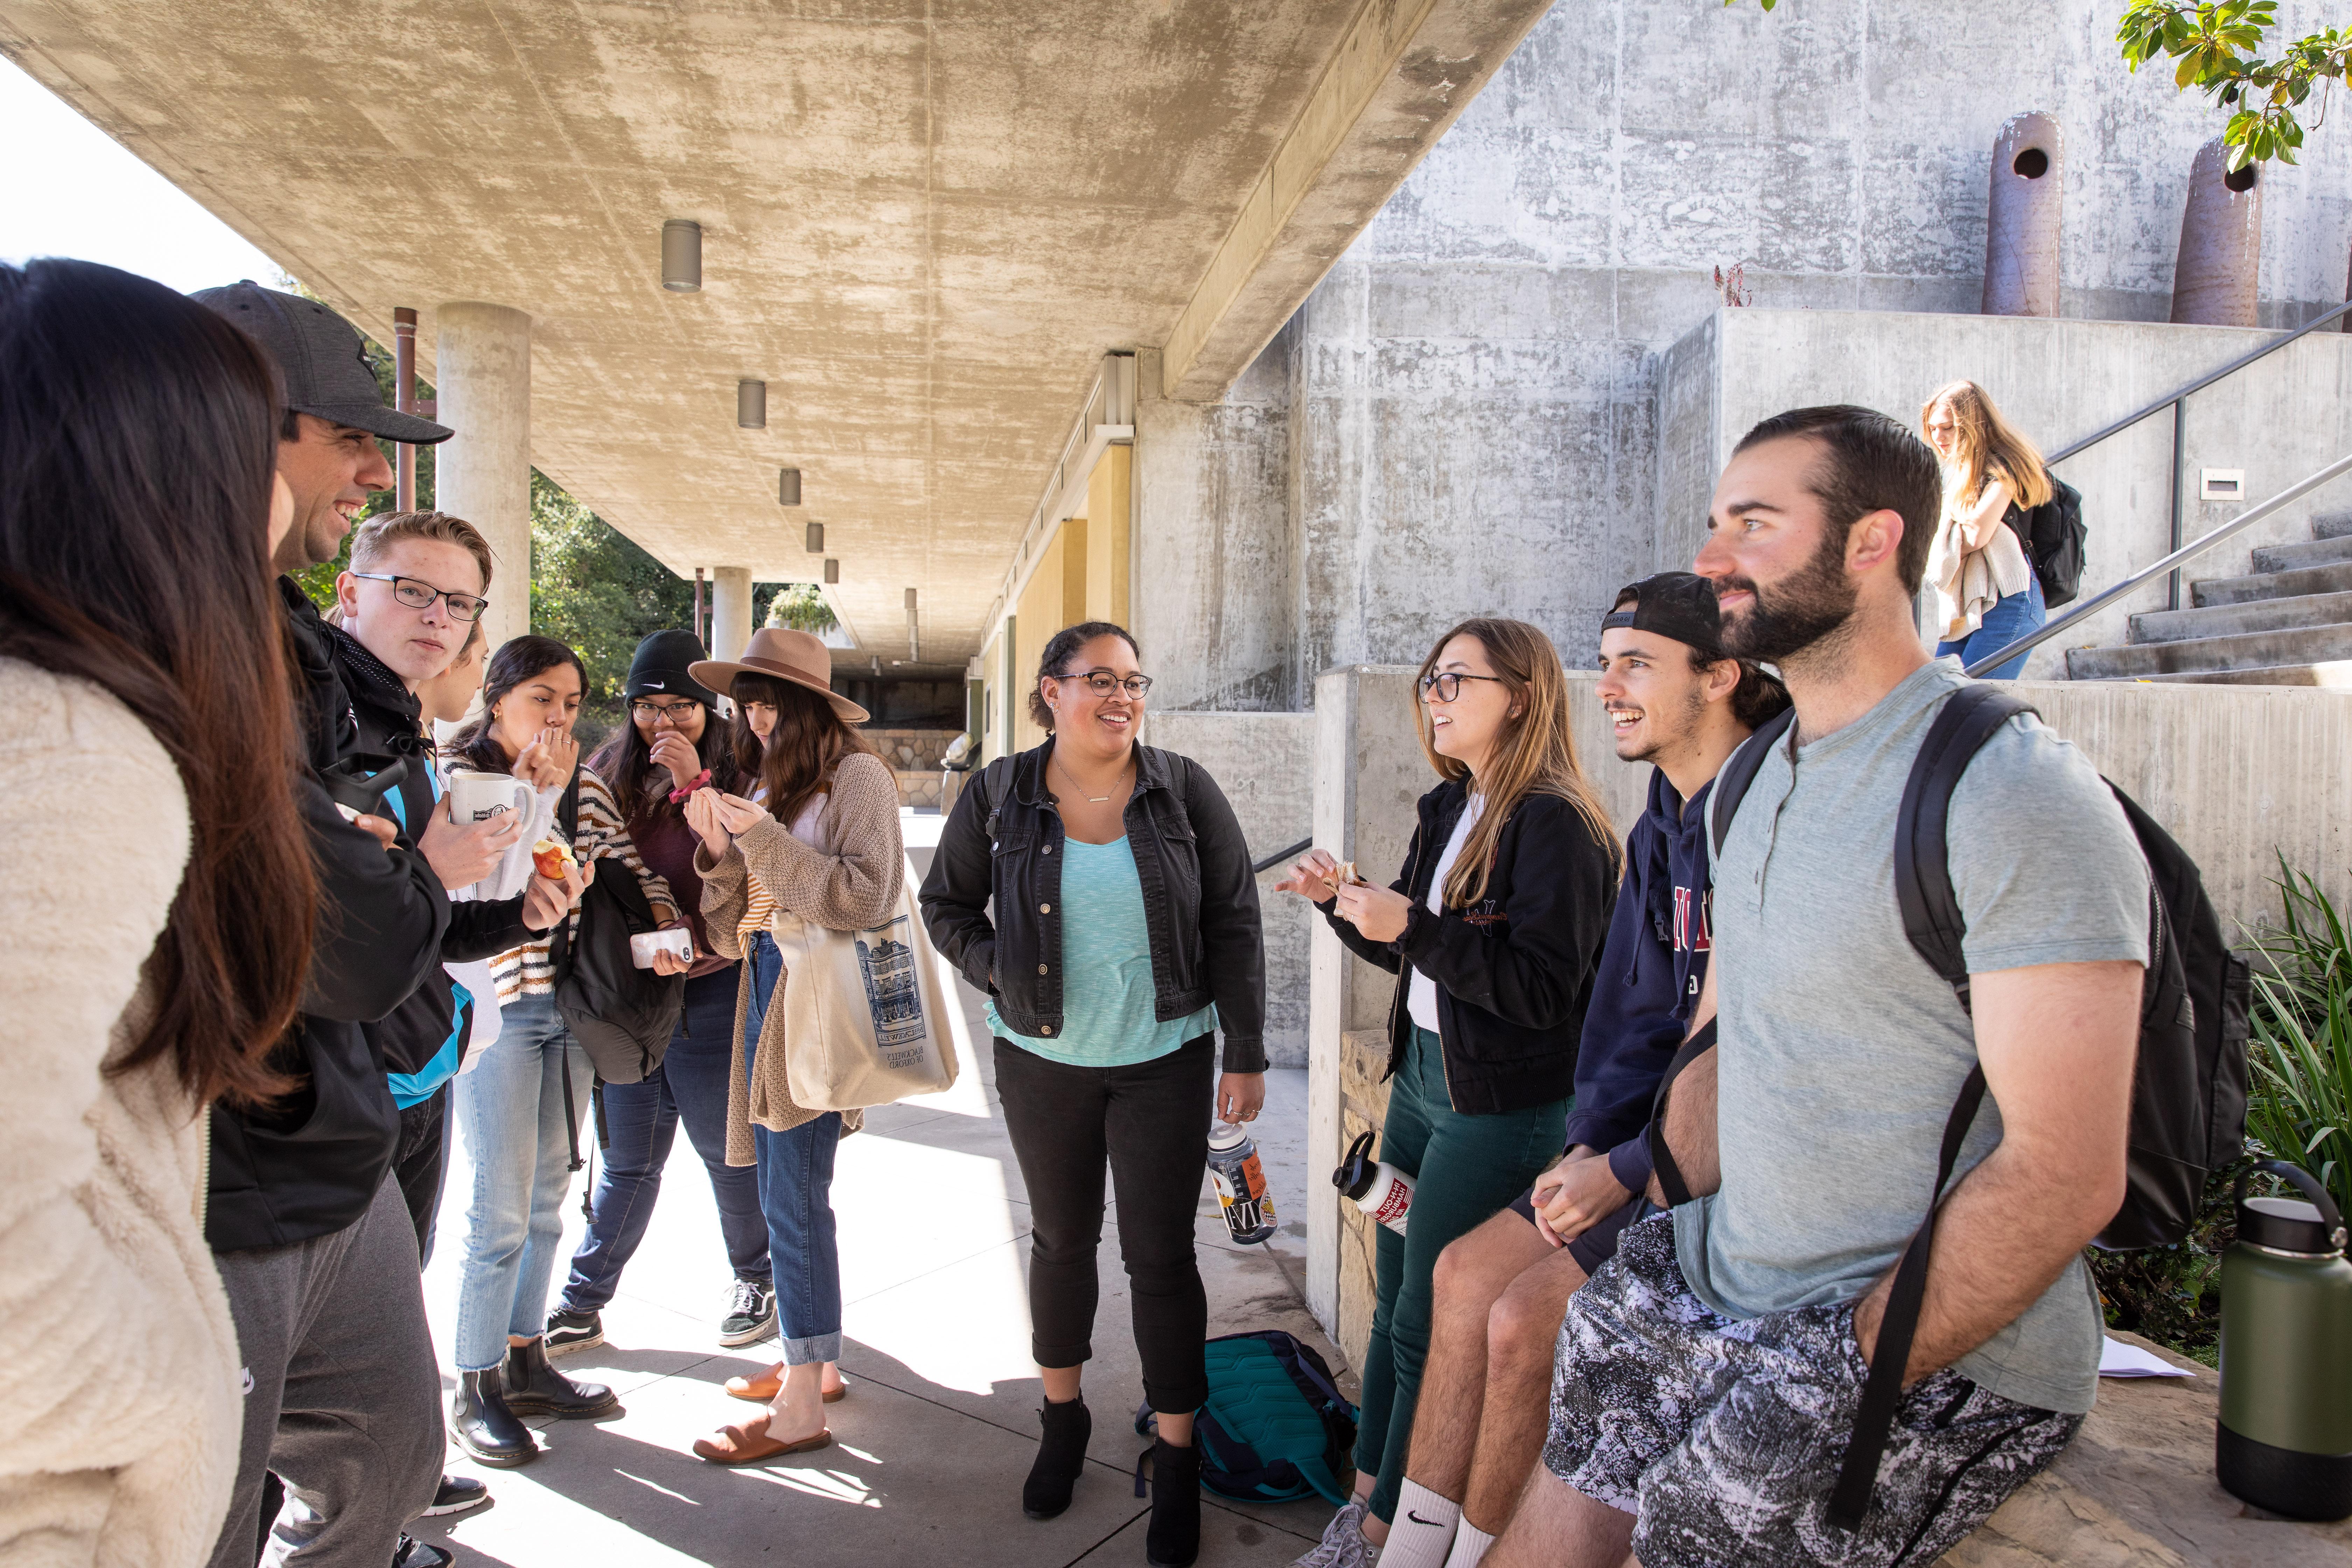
2023, 216
403, 398
698, 632
2214, 280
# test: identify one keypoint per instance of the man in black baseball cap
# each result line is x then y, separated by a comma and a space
334, 412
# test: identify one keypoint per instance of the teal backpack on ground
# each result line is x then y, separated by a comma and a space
1276, 1427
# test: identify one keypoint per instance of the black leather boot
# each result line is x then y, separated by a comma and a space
1173, 1537
1061, 1454
483, 1425
535, 1388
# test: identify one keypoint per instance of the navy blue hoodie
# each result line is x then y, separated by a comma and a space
1651, 971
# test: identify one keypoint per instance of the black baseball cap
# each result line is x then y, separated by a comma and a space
322, 359
1677, 605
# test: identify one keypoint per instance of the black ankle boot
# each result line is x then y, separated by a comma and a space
483, 1425
1173, 1537
1061, 1454
535, 1388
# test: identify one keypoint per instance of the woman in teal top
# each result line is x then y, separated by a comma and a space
1100, 892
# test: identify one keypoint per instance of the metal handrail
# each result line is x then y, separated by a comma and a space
1279, 856
2177, 401
2098, 602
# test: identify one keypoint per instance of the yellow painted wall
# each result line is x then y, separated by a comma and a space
1108, 490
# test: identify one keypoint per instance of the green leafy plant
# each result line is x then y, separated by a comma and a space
2301, 1053
2173, 1294
2219, 49
801, 606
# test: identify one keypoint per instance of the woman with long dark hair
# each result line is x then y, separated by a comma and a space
1493, 929
816, 838
157, 947
674, 744
1100, 892
519, 1104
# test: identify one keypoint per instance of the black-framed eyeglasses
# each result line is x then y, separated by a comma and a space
676, 713
1102, 683
419, 594
1447, 683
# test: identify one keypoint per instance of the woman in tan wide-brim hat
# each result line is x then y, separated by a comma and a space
816, 837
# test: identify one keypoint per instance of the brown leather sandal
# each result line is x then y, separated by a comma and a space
737, 1444
763, 1388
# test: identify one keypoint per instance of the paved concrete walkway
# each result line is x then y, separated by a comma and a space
939, 1426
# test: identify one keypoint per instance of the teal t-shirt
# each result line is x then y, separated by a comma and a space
1107, 998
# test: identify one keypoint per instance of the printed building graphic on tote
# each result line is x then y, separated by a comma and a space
886, 960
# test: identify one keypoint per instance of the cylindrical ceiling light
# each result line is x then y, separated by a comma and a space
751, 404
910, 599
816, 538
681, 256
788, 487
833, 572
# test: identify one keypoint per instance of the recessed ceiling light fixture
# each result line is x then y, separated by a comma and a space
816, 538
788, 487
751, 404
682, 255
833, 571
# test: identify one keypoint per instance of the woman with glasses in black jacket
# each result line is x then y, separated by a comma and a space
1124, 935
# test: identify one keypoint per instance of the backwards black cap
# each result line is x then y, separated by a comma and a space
322, 359
1677, 605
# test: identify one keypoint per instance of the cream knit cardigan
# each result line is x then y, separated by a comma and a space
119, 1367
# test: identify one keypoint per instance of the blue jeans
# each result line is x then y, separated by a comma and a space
511, 1113
641, 1123
796, 1195
2012, 615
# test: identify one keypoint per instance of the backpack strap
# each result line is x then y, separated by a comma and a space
1934, 923
1739, 773
1662, 1160
995, 787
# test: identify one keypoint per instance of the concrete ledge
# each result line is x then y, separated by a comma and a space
2136, 1488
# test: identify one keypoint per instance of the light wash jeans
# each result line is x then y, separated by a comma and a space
796, 1196
510, 1113
2012, 616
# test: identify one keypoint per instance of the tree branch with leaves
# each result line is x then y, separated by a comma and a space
2220, 48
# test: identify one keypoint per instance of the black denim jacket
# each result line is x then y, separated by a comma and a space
1003, 843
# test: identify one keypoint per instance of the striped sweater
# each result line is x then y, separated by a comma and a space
601, 834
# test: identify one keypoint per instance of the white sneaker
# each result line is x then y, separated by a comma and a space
1343, 1544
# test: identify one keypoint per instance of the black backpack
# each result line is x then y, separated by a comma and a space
622, 1016
2188, 1087
2054, 538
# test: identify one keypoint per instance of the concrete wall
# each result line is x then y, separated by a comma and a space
2059, 381
2238, 775
1265, 763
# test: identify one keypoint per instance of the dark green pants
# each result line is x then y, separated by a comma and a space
1463, 1168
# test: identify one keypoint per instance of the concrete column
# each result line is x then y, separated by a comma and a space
730, 610
482, 373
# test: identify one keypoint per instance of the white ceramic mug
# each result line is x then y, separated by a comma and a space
475, 797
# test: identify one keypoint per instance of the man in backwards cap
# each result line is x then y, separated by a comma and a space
314, 1246
1676, 700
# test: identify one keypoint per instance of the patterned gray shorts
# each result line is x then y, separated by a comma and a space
1724, 1435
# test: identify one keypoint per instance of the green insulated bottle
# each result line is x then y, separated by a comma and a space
2284, 1439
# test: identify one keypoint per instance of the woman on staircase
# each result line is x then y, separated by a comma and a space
1985, 590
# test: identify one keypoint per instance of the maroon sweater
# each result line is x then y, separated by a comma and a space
667, 846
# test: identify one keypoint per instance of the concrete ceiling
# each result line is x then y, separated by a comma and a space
923, 223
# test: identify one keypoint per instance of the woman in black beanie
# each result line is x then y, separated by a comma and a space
674, 742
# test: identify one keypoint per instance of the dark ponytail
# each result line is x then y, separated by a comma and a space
1062, 647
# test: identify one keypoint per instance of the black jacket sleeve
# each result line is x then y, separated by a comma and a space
478, 930
1383, 953
1562, 896
381, 913
954, 897
1233, 935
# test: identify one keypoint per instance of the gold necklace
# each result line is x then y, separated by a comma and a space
1090, 799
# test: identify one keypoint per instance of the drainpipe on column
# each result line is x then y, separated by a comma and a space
701, 634
2022, 226
403, 398
2213, 282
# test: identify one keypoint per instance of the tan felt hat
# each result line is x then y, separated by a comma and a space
781, 654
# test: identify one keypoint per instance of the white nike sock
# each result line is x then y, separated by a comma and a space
1470, 1544
1422, 1529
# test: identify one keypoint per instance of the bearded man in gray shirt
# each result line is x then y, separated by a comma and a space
1707, 1379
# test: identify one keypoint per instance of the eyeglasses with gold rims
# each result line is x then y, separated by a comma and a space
1447, 683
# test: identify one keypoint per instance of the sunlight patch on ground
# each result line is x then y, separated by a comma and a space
528, 1521
963, 1327
831, 1486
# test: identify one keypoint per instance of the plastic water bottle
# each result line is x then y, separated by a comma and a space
1375, 1186
1240, 1180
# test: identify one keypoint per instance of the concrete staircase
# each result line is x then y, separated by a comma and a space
2288, 624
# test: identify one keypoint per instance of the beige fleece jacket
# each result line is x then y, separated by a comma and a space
849, 885
120, 1376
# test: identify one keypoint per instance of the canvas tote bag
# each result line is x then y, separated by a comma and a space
866, 1018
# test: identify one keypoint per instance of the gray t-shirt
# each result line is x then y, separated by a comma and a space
1842, 1050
